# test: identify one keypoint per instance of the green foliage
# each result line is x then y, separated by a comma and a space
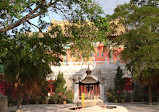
110, 95
27, 57
44, 89
118, 92
20, 12
122, 95
69, 95
130, 95
83, 34
61, 92
141, 39
119, 83
1, 69
11, 101
82, 13
59, 84
53, 99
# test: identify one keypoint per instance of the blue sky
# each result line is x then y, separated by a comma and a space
107, 5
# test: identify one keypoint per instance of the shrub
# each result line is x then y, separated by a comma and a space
61, 92
69, 95
11, 101
118, 81
110, 95
59, 84
53, 100
122, 96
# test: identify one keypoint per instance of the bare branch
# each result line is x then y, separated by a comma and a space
138, 46
86, 3
62, 12
2, 24
34, 25
28, 16
22, 20
50, 4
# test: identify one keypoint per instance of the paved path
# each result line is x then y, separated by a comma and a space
138, 107
131, 107
42, 107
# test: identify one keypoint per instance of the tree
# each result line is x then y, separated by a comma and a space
119, 83
19, 12
141, 39
82, 35
60, 90
59, 84
26, 61
27, 56
80, 12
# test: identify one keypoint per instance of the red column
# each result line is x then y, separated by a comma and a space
79, 90
96, 90
93, 90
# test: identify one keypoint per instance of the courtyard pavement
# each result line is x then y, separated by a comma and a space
138, 106
131, 107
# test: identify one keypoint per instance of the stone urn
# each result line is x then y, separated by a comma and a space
131, 100
116, 101
142, 100
122, 100
3, 103
64, 102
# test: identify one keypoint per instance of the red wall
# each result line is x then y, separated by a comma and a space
98, 50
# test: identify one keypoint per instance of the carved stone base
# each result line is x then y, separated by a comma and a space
3, 103
90, 102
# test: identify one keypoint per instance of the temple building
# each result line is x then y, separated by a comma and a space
96, 79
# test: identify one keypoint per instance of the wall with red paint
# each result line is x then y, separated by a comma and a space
98, 54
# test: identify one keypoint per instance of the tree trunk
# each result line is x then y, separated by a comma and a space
19, 101
150, 94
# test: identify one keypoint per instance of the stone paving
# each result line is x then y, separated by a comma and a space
131, 107
138, 106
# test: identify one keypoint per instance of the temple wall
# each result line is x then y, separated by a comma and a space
104, 72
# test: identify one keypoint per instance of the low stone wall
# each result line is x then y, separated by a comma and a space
90, 102
3, 103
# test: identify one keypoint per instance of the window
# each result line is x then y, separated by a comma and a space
102, 54
98, 54
92, 54
128, 84
111, 55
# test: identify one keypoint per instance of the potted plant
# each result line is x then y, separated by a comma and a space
122, 97
131, 97
10, 101
157, 99
142, 96
115, 98
64, 100
110, 95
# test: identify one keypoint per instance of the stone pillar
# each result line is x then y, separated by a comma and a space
101, 92
105, 59
76, 92
3, 103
